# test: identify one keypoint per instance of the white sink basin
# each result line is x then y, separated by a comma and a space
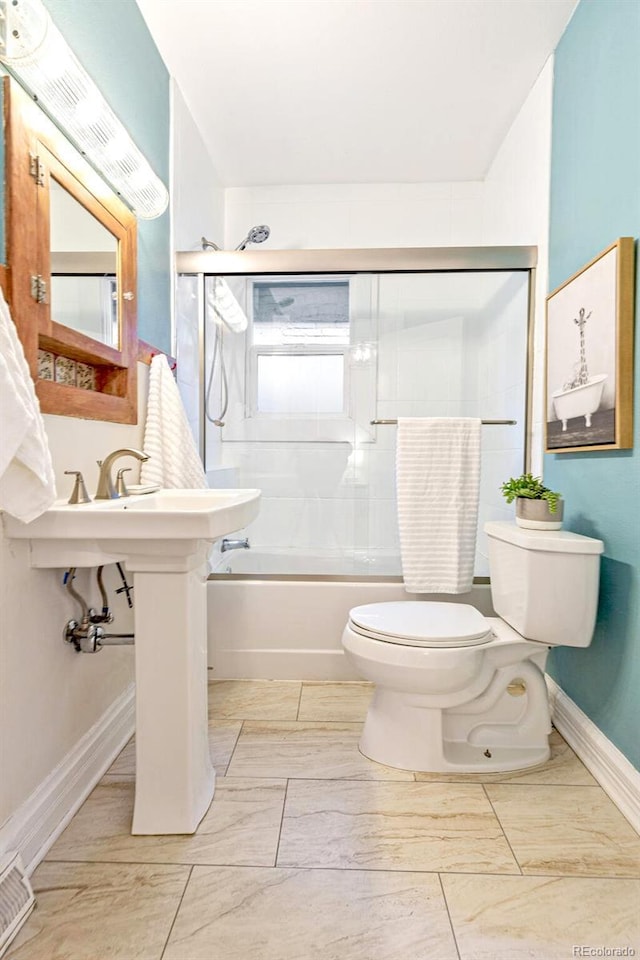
163, 538
99, 532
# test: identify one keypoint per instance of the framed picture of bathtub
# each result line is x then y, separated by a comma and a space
589, 368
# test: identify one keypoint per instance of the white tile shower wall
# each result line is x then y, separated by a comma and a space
339, 498
480, 359
323, 496
319, 526
291, 470
308, 500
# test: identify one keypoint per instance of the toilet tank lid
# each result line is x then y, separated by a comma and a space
551, 541
425, 620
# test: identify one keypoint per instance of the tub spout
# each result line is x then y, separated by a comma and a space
235, 545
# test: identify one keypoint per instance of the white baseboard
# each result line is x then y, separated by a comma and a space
616, 775
35, 826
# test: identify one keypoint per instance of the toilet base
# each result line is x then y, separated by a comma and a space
465, 758
401, 731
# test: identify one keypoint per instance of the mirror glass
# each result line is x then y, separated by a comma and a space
84, 256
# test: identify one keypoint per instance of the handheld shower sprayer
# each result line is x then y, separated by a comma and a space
256, 235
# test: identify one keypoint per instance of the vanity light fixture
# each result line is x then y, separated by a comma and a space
34, 51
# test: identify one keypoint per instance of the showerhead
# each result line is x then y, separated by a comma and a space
256, 235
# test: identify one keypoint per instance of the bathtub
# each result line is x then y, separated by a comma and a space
290, 562
264, 623
579, 401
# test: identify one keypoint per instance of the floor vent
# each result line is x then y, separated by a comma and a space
16, 900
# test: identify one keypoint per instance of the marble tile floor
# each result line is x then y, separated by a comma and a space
312, 852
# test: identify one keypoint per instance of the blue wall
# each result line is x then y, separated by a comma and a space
595, 198
113, 44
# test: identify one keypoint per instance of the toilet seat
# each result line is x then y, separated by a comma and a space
421, 623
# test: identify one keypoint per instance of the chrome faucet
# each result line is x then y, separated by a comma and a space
106, 489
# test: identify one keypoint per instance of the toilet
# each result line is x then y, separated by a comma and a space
459, 692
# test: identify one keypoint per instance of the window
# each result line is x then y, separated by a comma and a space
299, 338
304, 369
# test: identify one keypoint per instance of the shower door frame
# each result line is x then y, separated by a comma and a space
251, 262
390, 260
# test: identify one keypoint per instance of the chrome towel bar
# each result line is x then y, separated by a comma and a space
493, 423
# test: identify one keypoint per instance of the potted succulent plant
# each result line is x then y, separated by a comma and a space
537, 507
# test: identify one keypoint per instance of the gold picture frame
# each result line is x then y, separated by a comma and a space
589, 355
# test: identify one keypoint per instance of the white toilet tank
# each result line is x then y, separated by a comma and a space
544, 583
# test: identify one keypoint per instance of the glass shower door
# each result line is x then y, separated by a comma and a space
315, 360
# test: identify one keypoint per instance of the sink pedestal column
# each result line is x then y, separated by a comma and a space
174, 776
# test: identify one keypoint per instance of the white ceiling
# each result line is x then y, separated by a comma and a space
354, 91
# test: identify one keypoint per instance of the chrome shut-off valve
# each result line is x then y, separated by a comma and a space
86, 637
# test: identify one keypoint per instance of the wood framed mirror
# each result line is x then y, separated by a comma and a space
71, 279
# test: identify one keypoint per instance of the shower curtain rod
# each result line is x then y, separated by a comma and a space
507, 423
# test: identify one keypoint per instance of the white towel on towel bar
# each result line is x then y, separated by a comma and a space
168, 442
27, 485
438, 483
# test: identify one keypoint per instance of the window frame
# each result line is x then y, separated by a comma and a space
244, 423
255, 351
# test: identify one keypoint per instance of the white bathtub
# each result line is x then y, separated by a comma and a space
580, 401
276, 626
290, 562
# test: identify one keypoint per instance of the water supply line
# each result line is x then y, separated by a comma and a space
67, 581
87, 635
125, 588
106, 613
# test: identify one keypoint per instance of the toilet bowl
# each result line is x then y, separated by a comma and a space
457, 691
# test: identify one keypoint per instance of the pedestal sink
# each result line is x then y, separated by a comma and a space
163, 539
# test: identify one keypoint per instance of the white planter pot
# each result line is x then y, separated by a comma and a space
535, 514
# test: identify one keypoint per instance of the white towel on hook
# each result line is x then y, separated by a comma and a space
174, 460
27, 485
438, 484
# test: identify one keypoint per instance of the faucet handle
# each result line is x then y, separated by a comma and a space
121, 487
79, 493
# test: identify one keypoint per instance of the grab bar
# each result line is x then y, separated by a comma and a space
506, 423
